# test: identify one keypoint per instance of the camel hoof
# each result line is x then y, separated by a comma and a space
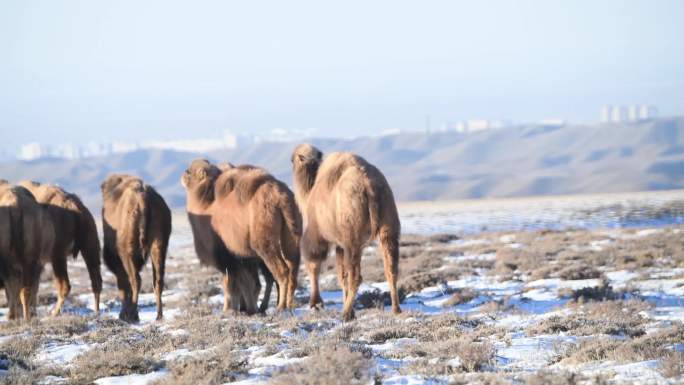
130, 316
160, 317
348, 316
396, 310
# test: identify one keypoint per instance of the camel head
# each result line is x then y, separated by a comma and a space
199, 179
305, 162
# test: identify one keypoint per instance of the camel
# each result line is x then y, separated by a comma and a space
137, 224
346, 202
75, 231
253, 215
26, 236
243, 281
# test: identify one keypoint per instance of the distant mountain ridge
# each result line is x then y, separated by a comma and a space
517, 161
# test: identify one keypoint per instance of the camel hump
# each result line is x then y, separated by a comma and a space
381, 206
248, 184
243, 180
336, 164
11, 220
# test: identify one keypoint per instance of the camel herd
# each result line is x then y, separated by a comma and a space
244, 222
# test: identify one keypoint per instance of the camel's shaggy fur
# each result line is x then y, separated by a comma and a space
136, 223
75, 232
244, 212
346, 203
240, 275
26, 237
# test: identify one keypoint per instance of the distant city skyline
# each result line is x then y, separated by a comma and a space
126, 71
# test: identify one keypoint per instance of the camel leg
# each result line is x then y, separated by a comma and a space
293, 270
130, 312
390, 250
314, 268
231, 300
158, 257
352, 266
59, 269
25, 298
30, 277
341, 272
12, 294
35, 285
268, 277
92, 261
280, 271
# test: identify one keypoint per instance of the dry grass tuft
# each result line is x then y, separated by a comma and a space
376, 299
546, 377
603, 292
671, 365
110, 360
460, 353
337, 365
647, 347
609, 317
460, 296
218, 367
579, 271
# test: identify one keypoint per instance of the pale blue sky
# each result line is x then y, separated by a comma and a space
132, 70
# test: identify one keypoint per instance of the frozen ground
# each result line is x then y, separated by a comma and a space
600, 303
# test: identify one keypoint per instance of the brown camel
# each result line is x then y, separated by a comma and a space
253, 214
346, 202
136, 223
75, 232
26, 235
243, 281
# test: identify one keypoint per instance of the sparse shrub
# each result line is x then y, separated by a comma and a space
480, 378
474, 355
610, 317
376, 299
647, 347
443, 238
417, 282
336, 365
579, 271
604, 292
671, 365
460, 296
208, 369
18, 352
110, 360
547, 377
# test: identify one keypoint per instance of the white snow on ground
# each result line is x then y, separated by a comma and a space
61, 354
528, 302
528, 353
132, 379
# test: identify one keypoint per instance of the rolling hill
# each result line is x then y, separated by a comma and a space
518, 161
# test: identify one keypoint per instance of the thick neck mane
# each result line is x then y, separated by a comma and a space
305, 177
203, 195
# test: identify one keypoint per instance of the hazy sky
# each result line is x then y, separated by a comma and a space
131, 70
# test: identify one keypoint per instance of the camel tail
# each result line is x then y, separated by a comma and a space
290, 213
16, 223
374, 209
145, 219
87, 243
